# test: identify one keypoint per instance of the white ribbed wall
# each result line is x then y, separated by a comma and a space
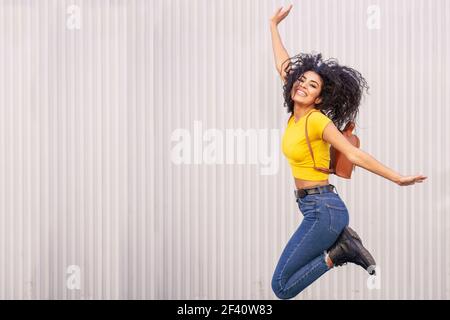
87, 122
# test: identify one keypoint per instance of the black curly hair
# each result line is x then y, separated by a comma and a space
342, 87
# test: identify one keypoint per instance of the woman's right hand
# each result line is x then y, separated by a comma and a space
279, 15
408, 180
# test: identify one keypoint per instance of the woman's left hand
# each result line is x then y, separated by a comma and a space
408, 180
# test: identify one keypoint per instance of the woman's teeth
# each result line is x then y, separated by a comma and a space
301, 93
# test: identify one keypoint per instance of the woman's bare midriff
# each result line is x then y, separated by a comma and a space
305, 184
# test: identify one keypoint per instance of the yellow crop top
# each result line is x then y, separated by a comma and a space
295, 147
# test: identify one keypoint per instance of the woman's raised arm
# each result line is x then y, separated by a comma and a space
279, 51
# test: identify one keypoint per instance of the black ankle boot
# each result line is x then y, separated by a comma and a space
348, 248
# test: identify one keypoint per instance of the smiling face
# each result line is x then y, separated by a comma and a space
306, 90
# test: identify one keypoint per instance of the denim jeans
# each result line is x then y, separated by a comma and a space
303, 259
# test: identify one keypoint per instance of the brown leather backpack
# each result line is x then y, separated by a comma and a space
339, 163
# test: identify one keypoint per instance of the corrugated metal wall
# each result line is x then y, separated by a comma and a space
119, 177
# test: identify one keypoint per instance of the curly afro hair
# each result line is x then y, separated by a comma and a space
341, 91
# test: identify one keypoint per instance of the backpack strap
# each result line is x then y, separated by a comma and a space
292, 114
324, 170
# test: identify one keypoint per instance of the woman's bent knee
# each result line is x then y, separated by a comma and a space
279, 291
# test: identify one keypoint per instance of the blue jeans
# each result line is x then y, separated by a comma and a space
303, 259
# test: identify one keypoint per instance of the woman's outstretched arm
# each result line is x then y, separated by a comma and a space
364, 160
279, 51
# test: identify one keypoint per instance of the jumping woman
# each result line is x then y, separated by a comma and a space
328, 95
